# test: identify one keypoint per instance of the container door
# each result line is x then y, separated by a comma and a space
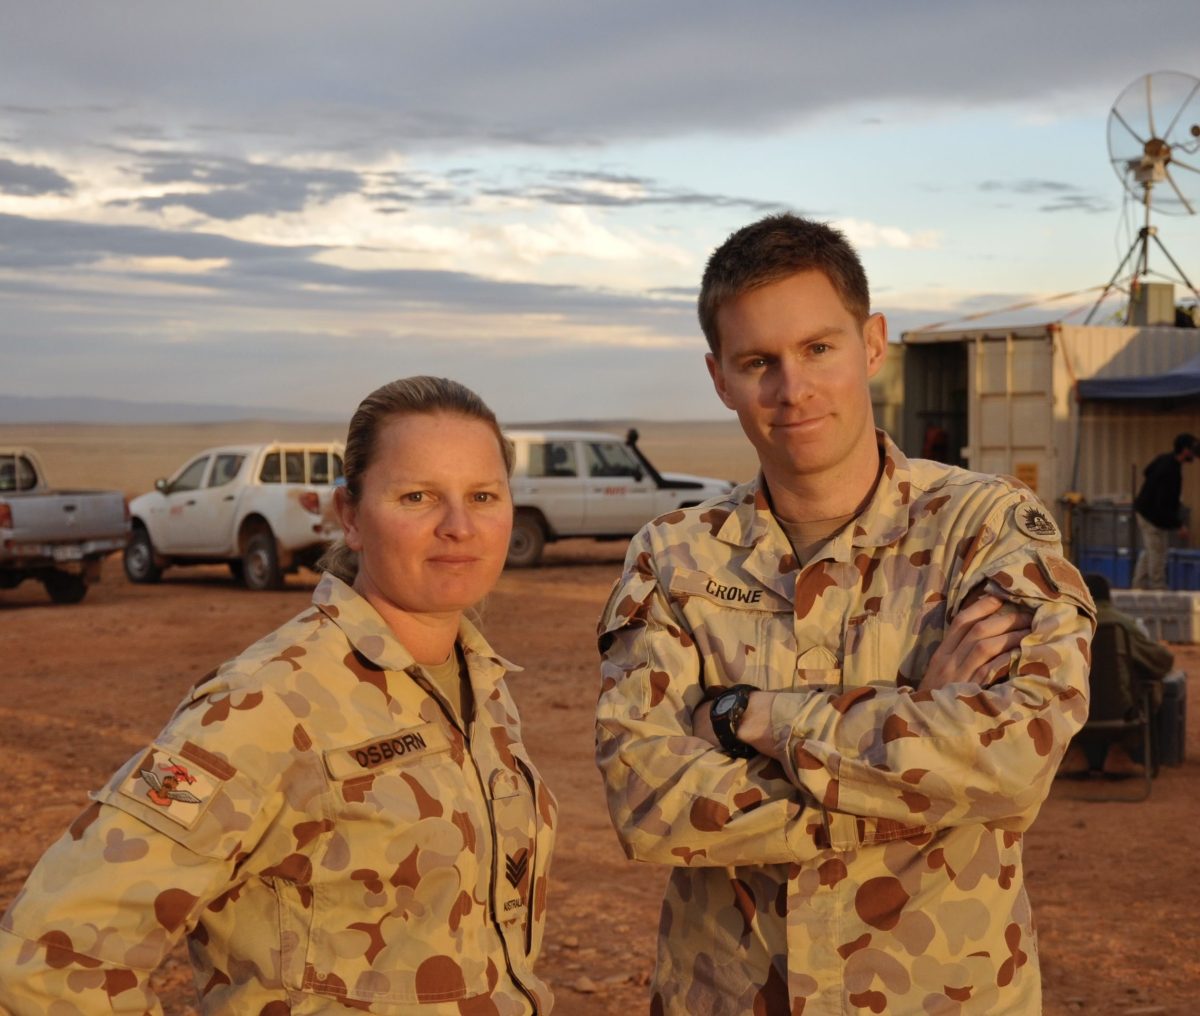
1012, 412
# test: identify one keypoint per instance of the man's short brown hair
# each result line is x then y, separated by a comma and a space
772, 249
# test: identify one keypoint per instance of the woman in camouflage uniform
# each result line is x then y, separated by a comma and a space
343, 818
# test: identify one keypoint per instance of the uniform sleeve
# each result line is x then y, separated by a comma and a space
673, 798
963, 753
107, 901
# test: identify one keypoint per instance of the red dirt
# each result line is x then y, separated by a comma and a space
83, 687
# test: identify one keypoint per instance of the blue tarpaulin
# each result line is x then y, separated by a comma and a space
1183, 382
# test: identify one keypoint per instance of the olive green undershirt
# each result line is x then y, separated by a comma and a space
805, 537
453, 680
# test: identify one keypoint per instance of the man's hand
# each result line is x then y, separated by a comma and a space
978, 649
979, 644
702, 723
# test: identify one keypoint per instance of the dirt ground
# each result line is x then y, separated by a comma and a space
1114, 885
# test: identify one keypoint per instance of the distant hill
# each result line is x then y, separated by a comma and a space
27, 409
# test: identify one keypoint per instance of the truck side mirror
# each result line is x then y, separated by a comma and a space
160, 485
638, 474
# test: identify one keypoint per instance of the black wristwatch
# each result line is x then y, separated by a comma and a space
728, 708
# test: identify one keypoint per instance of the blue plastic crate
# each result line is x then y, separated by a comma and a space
1183, 569
1114, 563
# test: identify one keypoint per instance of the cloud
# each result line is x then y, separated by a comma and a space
41, 243
228, 188
531, 73
609, 190
1060, 195
1078, 202
865, 235
28, 180
290, 279
1027, 186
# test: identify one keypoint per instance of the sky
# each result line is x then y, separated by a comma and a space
283, 204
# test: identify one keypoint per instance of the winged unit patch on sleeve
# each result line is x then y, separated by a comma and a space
181, 791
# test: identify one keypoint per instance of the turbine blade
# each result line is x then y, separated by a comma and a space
1182, 106
1175, 187
1150, 106
1136, 136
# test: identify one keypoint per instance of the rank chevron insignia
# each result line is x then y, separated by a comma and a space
516, 866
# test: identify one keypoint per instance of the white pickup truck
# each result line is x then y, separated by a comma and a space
583, 483
58, 537
262, 509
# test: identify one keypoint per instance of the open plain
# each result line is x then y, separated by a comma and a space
1114, 885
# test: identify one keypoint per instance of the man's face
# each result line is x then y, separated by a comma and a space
795, 366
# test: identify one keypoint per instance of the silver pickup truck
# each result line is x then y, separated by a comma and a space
58, 537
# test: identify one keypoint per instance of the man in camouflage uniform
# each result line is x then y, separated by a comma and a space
326, 829
834, 699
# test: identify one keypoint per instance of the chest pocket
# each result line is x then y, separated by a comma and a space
745, 634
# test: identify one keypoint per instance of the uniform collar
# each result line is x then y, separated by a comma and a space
369, 634
883, 521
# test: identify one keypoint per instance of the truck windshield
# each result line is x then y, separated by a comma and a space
611, 459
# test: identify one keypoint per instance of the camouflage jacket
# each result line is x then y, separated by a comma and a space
879, 868
316, 822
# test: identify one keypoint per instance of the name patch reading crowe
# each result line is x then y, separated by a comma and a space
741, 595
727, 593
403, 746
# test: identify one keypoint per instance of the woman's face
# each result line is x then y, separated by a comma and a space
431, 526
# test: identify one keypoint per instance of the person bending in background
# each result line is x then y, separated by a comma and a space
834, 699
343, 818
1148, 661
1160, 512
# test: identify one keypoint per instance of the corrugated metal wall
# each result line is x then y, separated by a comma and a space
887, 392
1118, 442
1098, 351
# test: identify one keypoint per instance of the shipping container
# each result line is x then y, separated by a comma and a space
1003, 400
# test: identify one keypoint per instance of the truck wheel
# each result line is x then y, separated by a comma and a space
260, 563
528, 539
139, 558
65, 588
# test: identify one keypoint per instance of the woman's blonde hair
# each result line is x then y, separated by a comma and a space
409, 396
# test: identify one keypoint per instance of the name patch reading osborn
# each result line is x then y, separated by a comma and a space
406, 745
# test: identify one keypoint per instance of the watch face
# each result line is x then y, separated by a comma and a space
724, 704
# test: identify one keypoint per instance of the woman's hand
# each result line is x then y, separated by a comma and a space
979, 644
